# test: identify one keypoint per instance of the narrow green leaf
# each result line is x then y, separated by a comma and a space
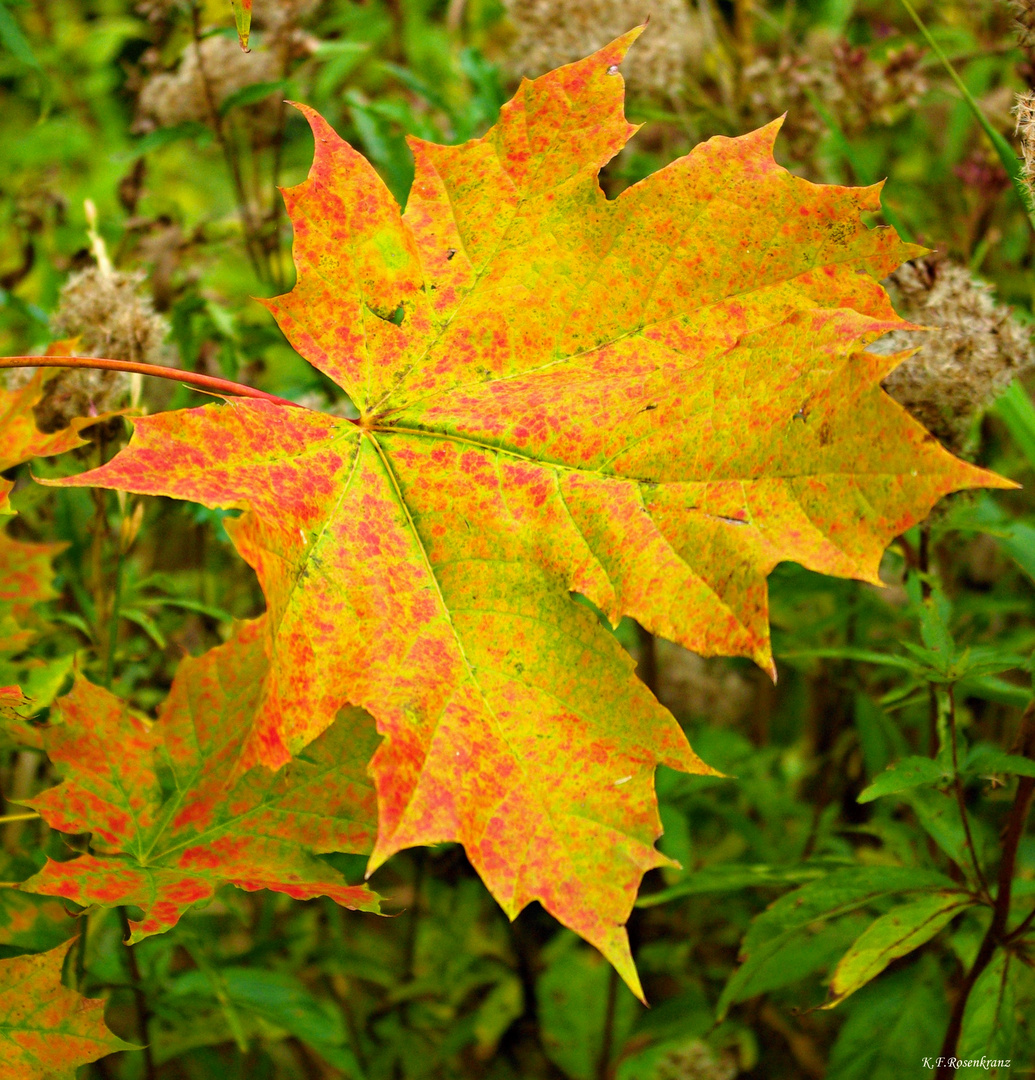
1014, 407
891, 1025
731, 877
572, 999
162, 137
1007, 155
983, 761
908, 773
251, 95
895, 934
990, 1022
793, 957
772, 939
283, 1000
838, 893
865, 656
939, 816
14, 41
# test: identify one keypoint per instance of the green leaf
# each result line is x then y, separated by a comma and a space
892, 1024
910, 772
251, 95
837, 894
990, 1022
939, 816
1016, 410
282, 1000
983, 760
989, 688
156, 140
730, 877
1007, 155
14, 41
572, 998
895, 934
788, 959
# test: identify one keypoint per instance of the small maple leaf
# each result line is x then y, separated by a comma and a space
47, 1030
171, 818
650, 400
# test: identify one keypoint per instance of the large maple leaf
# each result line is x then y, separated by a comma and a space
171, 816
47, 1030
650, 400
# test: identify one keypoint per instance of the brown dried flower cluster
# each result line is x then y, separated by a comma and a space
1025, 110
217, 67
973, 351
694, 686
107, 315
859, 90
555, 32
1025, 12
696, 1061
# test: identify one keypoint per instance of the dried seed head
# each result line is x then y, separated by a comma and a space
108, 316
695, 686
174, 97
696, 1061
1025, 12
551, 33
973, 353
1025, 112
859, 90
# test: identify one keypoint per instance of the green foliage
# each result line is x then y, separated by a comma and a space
850, 856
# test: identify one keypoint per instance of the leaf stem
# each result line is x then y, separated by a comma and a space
113, 622
252, 244
209, 383
996, 934
1006, 152
143, 1012
29, 816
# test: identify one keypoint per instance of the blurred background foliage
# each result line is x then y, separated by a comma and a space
138, 212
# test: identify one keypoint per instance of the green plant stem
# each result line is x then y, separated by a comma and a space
607, 1042
209, 383
113, 622
1006, 152
28, 816
253, 248
143, 1013
996, 934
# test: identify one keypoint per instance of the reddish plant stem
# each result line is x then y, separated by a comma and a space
190, 378
997, 934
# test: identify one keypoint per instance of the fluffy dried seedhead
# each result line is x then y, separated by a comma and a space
108, 317
174, 97
696, 1061
1025, 111
859, 90
975, 349
1025, 13
551, 33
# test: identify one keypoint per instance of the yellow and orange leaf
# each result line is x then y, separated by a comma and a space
47, 1030
650, 400
163, 847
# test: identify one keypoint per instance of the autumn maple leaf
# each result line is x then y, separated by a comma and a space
650, 400
23, 440
170, 816
47, 1030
